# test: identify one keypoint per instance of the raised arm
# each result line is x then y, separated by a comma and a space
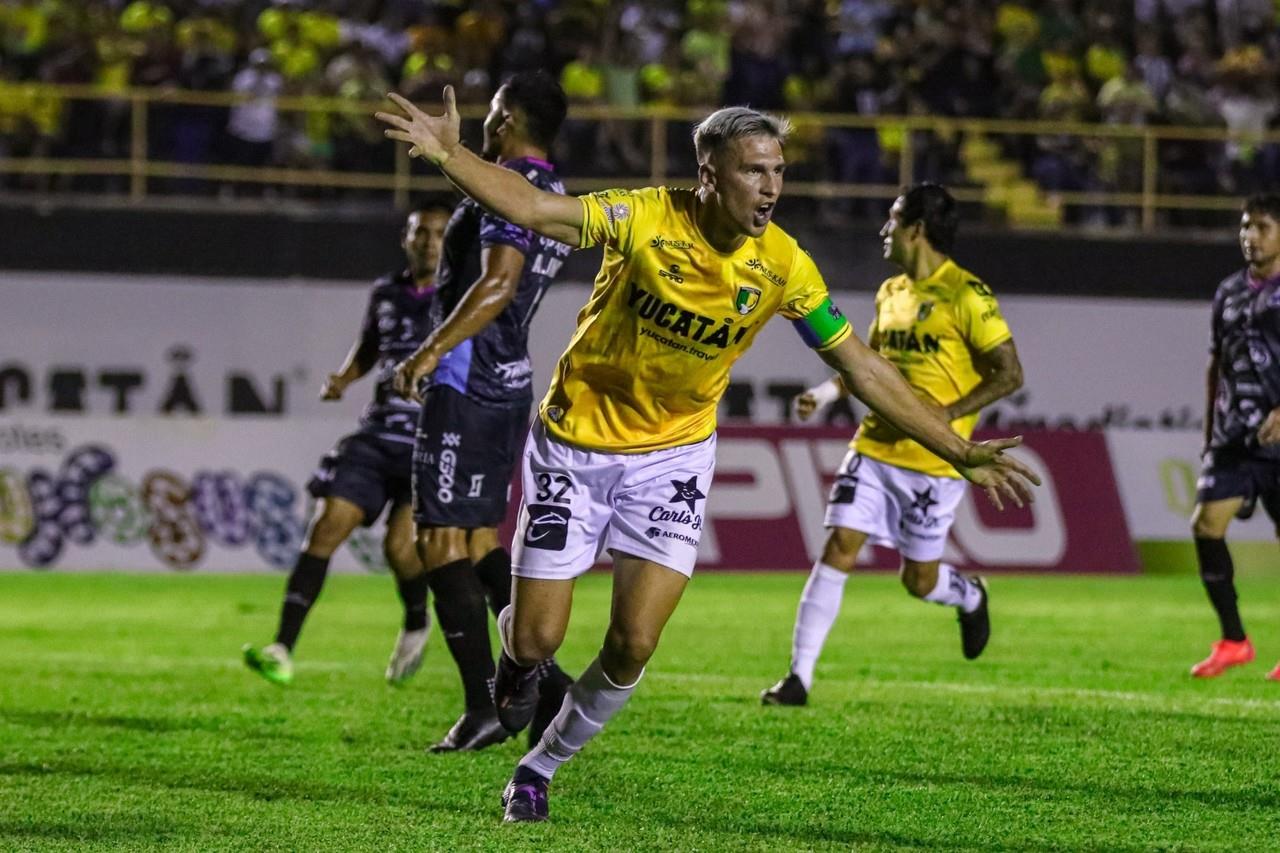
501, 191
876, 382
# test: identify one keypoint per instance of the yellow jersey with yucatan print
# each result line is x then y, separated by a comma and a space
931, 330
667, 318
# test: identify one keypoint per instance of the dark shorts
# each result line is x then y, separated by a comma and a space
463, 456
1239, 475
367, 470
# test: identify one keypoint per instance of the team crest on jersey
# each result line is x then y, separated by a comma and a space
926, 308
748, 298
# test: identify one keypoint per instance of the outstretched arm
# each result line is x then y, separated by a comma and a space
498, 190
876, 382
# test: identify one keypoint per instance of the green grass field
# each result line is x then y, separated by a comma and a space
127, 722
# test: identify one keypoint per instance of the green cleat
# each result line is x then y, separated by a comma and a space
271, 662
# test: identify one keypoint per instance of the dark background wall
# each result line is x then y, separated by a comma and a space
281, 244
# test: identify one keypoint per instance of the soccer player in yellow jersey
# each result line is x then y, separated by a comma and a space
621, 455
941, 327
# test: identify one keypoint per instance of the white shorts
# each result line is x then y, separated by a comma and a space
579, 503
896, 507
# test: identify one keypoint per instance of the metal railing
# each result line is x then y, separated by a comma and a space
1146, 194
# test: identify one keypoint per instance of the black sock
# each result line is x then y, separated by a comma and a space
302, 590
460, 608
494, 571
1217, 573
413, 595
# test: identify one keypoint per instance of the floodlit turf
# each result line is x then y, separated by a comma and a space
128, 722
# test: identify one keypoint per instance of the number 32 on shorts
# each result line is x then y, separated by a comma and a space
548, 524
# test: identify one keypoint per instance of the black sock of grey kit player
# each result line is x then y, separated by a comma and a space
413, 595
1218, 575
300, 593
459, 605
494, 571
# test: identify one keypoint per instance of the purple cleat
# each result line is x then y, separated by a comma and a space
525, 801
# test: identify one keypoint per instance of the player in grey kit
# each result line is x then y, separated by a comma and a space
1242, 423
492, 276
371, 467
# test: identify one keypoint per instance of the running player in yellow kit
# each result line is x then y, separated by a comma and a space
621, 455
941, 327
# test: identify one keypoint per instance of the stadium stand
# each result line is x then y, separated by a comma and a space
1152, 63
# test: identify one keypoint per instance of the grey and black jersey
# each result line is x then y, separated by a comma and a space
397, 320
492, 367
1246, 346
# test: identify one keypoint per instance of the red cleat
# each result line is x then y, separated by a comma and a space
1225, 654
1274, 675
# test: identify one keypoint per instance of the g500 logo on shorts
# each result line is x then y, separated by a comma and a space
448, 467
548, 527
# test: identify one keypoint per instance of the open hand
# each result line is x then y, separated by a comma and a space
987, 466
431, 137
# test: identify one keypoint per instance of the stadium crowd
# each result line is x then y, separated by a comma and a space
1183, 62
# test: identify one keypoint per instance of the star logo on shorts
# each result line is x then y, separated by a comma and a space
924, 500
687, 492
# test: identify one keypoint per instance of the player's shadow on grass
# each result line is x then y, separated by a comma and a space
95, 829
139, 723
260, 786
784, 837
1141, 797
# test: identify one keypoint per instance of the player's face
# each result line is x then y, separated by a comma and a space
747, 178
1259, 239
898, 238
423, 236
496, 124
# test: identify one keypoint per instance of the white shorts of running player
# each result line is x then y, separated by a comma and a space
579, 503
896, 507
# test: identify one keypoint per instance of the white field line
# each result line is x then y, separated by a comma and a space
1029, 692
1136, 697
172, 663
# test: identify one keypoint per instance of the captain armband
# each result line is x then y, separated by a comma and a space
823, 327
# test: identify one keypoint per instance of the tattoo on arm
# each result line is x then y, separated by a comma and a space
1001, 373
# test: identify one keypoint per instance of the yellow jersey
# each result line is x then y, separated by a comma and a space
931, 330
667, 318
